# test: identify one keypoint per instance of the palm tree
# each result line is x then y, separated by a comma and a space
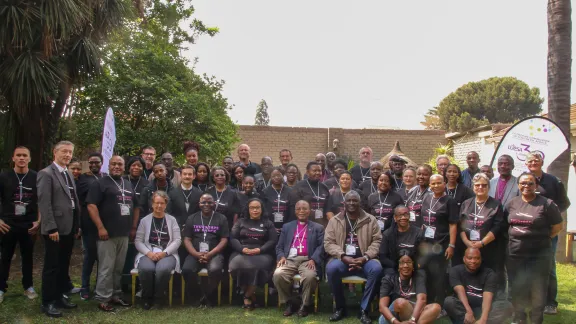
48, 47
559, 83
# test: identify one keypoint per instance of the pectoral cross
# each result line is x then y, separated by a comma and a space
300, 247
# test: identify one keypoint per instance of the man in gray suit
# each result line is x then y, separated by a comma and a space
504, 187
59, 206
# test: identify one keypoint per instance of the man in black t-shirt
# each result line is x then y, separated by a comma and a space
111, 207
205, 237
474, 288
361, 171
19, 219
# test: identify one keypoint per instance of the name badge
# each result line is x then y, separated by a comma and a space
204, 247
381, 224
19, 209
187, 206
430, 232
124, 210
278, 218
292, 252
412, 216
350, 250
318, 214
474, 235
72, 201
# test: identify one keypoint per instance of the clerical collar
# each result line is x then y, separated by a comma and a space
301, 223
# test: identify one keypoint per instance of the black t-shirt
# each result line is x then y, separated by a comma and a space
315, 193
439, 213
159, 233
381, 206
367, 188
145, 200
202, 186
85, 181
333, 184
215, 226
529, 225
277, 201
397, 184
352, 238
335, 203
475, 284
460, 193
10, 197
106, 194
243, 198
179, 197
226, 203
393, 241
137, 185
359, 174
414, 204
484, 218
393, 287
252, 234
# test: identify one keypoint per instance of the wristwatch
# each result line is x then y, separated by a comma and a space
367, 258
452, 246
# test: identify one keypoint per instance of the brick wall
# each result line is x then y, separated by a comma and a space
306, 142
465, 144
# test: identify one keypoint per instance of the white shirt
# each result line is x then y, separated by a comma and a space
61, 169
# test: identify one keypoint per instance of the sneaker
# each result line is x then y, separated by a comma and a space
139, 294
550, 310
74, 291
30, 293
85, 294
1, 296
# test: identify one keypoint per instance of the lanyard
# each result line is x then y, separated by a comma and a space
95, 176
279, 195
159, 232
190, 193
398, 187
352, 228
20, 184
119, 188
373, 189
382, 202
317, 196
431, 209
137, 183
418, 193
205, 228
364, 175
205, 186
218, 197
303, 232
477, 211
450, 194
402, 292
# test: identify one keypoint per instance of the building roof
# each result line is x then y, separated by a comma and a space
572, 114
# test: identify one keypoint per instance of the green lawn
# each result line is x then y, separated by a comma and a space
17, 309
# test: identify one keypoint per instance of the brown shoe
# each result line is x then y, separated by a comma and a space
303, 311
289, 310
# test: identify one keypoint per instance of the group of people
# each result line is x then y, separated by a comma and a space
458, 243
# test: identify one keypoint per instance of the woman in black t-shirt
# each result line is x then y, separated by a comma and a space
225, 199
381, 204
335, 203
454, 186
253, 241
248, 192
202, 180
409, 180
533, 220
403, 295
237, 177
415, 196
276, 198
292, 175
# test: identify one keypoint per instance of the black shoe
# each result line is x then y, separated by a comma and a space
289, 310
303, 311
50, 310
364, 318
65, 303
147, 305
338, 315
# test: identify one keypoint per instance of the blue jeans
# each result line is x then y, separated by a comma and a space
336, 270
552, 279
90, 256
382, 320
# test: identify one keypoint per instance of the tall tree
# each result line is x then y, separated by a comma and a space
559, 83
262, 118
47, 48
431, 119
494, 100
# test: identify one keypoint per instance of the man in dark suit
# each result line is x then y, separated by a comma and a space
300, 250
60, 209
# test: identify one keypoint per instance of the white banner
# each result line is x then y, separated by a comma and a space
108, 139
533, 134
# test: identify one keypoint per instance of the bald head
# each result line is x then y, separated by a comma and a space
244, 153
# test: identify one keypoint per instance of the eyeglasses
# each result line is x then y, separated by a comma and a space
405, 215
219, 175
526, 184
149, 154
406, 263
255, 208
481, 185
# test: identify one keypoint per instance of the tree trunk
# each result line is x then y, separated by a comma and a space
559, 83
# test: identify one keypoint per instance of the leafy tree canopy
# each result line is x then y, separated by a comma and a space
262, 117
494, 100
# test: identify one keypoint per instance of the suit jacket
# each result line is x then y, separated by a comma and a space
314, 237
55, 203
510, 192
177, 205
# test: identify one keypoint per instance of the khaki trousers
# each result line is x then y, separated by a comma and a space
283, 279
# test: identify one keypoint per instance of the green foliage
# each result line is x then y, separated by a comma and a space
442, 150
157, 98
431, 119
494, 100
262, 118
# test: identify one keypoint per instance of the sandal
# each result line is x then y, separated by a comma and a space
106, 307
248, 306
120, 302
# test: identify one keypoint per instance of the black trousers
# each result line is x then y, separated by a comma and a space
500, 311
7, 248
55, 276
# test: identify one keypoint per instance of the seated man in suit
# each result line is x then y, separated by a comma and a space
474, 287
504, 187
300, 250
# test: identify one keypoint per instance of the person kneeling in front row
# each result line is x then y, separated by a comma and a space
300, 250
475, 287
403, 295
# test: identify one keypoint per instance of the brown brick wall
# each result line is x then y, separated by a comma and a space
306, 142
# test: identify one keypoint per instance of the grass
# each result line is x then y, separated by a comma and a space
17, 309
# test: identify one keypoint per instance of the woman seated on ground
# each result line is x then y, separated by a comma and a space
403, 295
157, 241
253, 240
